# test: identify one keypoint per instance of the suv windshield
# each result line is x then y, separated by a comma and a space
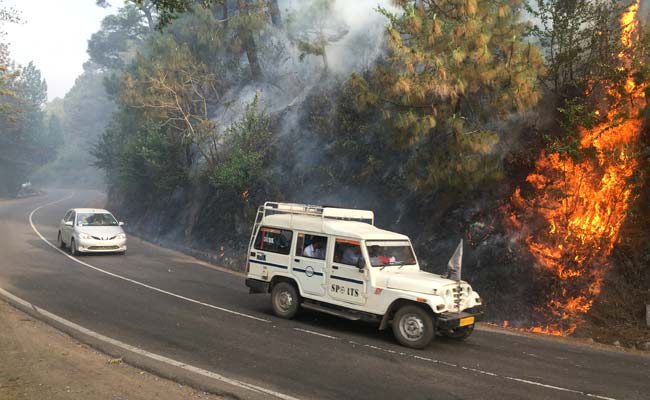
96, 219
390, 253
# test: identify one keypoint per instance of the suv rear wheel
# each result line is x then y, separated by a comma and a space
413, 327
285, 300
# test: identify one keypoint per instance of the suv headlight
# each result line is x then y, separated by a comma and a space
121, 235
84, 236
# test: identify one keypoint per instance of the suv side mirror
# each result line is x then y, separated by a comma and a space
120, 223
361, 263
68, 223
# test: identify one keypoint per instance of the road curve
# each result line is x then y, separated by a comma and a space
167, 304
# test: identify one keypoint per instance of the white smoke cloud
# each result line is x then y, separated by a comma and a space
365, 40
289, 77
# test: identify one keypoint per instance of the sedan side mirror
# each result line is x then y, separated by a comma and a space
120, 223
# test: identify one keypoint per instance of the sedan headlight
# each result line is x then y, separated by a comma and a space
84, 236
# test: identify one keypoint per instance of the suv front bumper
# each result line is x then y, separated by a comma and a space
467, 317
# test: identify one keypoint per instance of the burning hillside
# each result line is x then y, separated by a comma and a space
571, 214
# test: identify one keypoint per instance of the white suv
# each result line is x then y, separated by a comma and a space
91, 230
336, 261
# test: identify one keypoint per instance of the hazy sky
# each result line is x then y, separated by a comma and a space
54, 35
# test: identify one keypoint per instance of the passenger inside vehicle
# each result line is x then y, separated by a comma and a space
315, 249
96, 219
351, 255
377, 256
347, 252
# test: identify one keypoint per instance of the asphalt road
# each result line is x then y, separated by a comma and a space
169, 304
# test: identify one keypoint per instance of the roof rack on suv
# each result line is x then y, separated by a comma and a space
329, 212
324, 212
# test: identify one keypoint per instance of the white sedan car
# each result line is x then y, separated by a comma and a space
91, 230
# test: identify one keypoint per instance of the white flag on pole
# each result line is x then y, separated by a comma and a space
455, 263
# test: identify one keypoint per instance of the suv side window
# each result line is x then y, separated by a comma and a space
347, 251
274, 240
71, 216
67, 216
311, 246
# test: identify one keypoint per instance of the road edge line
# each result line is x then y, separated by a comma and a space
174, 370
124, 278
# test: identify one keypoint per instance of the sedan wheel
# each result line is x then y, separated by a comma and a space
60, 241
73, 248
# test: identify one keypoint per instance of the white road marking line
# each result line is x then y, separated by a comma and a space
315, 333
153, 356
85, 264
561, 389
492, 374
599, 397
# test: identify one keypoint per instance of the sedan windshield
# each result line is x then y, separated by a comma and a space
390, 253
96, 219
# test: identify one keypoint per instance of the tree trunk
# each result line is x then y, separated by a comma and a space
249, 43
146, 10
325, 63
276, 17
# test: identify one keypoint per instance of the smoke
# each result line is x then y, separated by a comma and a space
644, 10
290, 74
364, 42
291, 77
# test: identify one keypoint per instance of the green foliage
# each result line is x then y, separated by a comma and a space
26, 142
580, 39
586, 67
169, 10
76, 121
54, 137
573, 116
455, 69
7, 15
244, 153
32, 86
112, 46
173, 88
151, 164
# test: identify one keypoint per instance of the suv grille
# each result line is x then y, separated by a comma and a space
459, 296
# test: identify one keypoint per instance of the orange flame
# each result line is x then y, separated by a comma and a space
583, 205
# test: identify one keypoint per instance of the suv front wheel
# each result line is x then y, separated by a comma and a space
413, 327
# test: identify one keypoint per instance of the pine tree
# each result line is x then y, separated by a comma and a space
455, 68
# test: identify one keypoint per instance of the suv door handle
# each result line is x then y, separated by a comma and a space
296, 260
335, 267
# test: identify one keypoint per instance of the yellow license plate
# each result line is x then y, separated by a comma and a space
466, 321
